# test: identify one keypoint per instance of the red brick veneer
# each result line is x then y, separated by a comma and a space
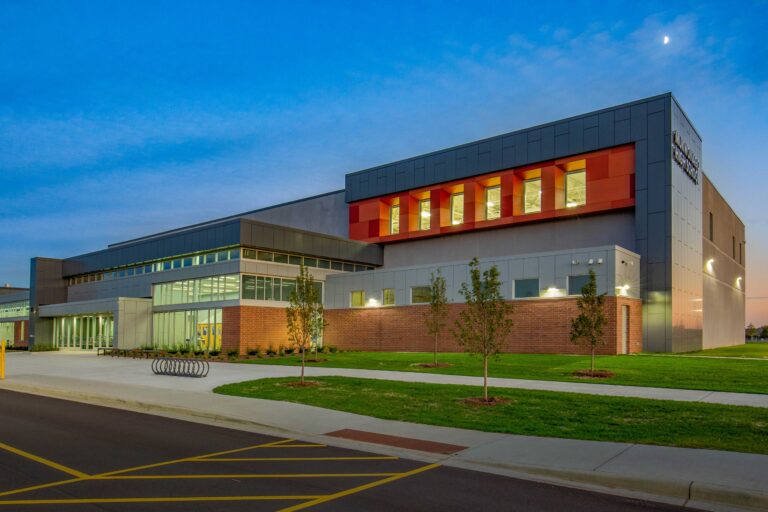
248, 327
541, 326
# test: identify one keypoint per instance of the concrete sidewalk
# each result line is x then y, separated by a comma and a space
707, 479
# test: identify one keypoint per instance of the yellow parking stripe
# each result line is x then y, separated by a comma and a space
41, 460
187, 459
331, 497
137, 468
249, 459
246, 475
181, 499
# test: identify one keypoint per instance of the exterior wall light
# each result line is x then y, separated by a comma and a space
574, 262
709, 266
591, 261
623, 290
372, 303
553, 291
738, 282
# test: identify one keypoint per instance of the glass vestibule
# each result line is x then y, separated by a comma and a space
85, 332
199, 329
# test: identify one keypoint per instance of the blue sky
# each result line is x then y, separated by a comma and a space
118, 119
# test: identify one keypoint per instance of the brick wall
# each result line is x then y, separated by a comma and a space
247, 327
541, 326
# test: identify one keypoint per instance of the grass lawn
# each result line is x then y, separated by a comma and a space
535, 413
759, 350
739, 375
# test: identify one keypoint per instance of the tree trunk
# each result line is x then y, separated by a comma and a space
592, 372
302, 366
435, 359
485, 378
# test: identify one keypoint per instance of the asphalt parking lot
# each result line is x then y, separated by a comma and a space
57, 455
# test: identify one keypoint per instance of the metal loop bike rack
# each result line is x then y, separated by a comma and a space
180, 367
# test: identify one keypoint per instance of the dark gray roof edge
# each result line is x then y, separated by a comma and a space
221, 219
306, 232
685, 115
224, 222
521, 130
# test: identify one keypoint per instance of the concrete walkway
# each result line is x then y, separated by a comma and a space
706, 479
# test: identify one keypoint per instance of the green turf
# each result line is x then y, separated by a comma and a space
738, 375
534, 413
759, 350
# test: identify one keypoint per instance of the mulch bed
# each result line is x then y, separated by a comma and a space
599, 374
305, 384
434, 365
492, 400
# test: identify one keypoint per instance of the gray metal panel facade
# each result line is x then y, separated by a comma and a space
245, 232
645, 123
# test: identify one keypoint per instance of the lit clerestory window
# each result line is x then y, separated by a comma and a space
394, 219
493, 202
457, 208
575, 188
425, 213
532, 195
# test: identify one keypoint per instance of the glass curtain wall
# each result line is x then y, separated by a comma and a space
85, 332
199, 329
207, 289
7, 332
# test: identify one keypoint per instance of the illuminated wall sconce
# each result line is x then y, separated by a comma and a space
372, 303
599, 261
738, 282
554, 291
709, 265
623, 290
591, 261
574, 262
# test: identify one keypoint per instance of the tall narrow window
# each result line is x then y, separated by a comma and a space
733, 246
711, 228
394, 219
457, 208
575, 188
425, 213
493, 202
741, 253
532, 196
388, 297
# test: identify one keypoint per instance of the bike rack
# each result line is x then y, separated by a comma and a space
180, 367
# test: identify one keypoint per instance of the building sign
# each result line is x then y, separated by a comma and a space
684, 157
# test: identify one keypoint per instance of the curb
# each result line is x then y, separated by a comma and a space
686, 493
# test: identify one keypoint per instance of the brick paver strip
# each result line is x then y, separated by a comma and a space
400, 442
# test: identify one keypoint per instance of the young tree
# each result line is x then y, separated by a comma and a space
751, 331
485, 323
587, 328
304, 314
764, 332
438, 308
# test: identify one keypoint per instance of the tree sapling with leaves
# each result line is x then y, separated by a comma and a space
304, 314
485, 323
587, 328
438, 309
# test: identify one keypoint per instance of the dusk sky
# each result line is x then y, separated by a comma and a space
120, 119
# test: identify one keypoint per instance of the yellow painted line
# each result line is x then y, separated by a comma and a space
246, 475
180, 499
137, 468
331, 497
187, 459
248, 459
41, 460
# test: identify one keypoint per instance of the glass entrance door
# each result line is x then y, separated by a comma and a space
86, 332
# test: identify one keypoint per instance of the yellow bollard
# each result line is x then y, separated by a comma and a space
2, 360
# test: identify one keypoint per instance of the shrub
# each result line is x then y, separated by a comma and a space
271, 351
253, 351
332, 349
42, 347
233, 353
214, 353
289, 351
199, 352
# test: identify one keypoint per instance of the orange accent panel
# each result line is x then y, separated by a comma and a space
610, 185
